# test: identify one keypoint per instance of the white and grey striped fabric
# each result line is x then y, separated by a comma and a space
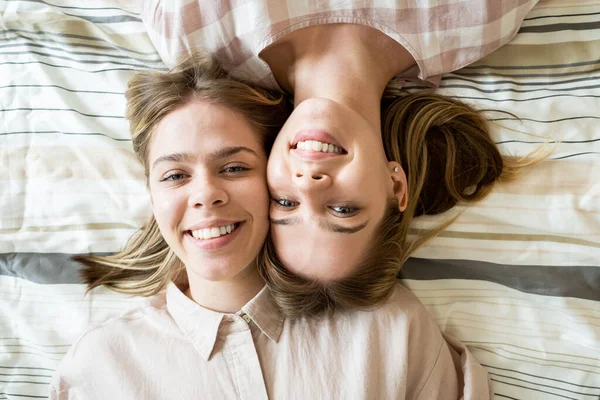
516, 277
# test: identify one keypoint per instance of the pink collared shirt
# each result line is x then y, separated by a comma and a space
441, 35
172, 348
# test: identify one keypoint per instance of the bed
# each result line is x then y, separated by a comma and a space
516, 277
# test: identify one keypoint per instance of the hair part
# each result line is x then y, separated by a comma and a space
449, 156
146, 265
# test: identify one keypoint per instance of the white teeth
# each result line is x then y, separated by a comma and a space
210, 233
315, 145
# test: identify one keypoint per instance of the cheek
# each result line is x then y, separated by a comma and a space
373, 176
276, 167
279, 177
166, 208
260, 199
253, 197
359, 180
287, 130
370, 188
380, 188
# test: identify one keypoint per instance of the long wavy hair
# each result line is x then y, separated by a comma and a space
446, 150
146, 265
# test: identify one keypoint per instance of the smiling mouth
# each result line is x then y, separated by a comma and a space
316, 143
213, 233
318, 147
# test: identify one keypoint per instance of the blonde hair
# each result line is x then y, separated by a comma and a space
446, 150
146, 265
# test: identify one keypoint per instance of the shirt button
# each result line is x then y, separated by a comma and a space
246, 318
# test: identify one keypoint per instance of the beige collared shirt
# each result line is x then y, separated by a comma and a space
172, 348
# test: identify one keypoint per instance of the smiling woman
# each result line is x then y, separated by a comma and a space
212, 328
195, 128
330, 202
358, 159
341, 220
208, 193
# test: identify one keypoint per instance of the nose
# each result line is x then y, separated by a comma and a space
309, 180
207, 194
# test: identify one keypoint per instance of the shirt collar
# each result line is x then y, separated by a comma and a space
265, 313
201, 326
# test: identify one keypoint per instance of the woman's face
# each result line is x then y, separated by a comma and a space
327, 201
208, 189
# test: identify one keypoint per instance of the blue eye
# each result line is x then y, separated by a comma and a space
345, 210
173, 177
285, 203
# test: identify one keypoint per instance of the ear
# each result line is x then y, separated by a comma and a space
400, 184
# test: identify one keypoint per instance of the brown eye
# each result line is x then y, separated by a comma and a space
235, 169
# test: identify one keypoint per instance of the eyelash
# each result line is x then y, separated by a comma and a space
227, 170
278, 204
169, 177
240, 168
352, 209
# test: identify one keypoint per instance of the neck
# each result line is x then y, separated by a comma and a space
352, 67
329, 77
225, 296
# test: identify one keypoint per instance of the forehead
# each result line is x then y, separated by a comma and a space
308, 251
200, 126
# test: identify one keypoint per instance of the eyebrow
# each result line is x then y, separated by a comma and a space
215, 155
324, 225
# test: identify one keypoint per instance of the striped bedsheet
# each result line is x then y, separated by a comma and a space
516, 277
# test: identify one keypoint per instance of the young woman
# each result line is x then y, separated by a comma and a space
348, 172
211, 328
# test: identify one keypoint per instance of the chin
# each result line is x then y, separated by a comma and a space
216, 271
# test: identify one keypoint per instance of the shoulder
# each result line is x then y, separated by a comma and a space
403, 304
402, 315
148, 316
443, 362
408, 321
404, 309
208, 25
112, 340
